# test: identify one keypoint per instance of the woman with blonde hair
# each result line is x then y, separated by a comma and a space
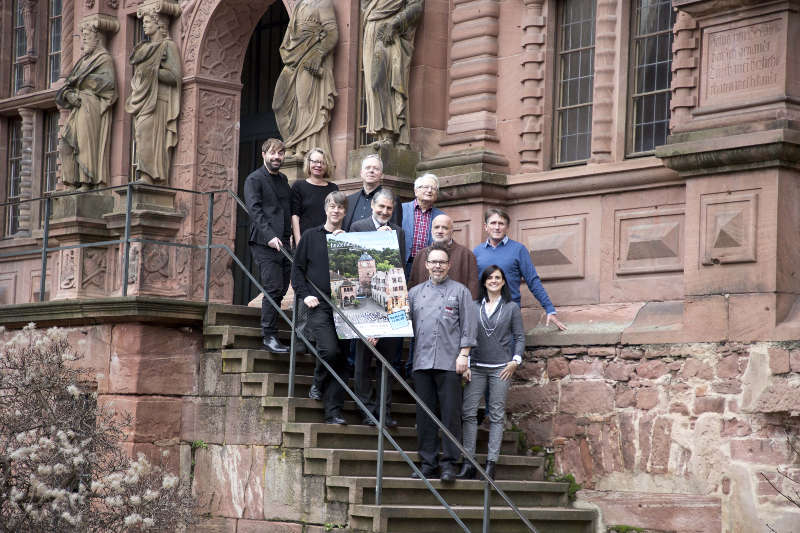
308, 195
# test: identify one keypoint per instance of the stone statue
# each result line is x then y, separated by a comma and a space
89, 92
389, 29
305, 89
155, 99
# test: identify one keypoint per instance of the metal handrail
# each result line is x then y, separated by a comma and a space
386, 366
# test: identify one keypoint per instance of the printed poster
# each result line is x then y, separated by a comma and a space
368, 283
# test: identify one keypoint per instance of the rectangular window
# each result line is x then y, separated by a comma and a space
50, 167
651, 74
20, 44
54, 42
576, 29
13, 192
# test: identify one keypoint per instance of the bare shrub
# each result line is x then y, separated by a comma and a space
61, 466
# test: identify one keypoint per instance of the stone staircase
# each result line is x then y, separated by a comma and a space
346, 455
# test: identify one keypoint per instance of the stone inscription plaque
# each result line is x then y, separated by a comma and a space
743, 62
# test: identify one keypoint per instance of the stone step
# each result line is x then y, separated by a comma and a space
235, 360
436, 519
314, 435
225, 336
407, 491
278, 385
232, 315
308, 410
339, 462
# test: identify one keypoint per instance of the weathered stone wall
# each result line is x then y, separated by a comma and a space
671, 437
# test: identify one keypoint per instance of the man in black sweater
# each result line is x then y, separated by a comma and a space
359, 204
266, 193
311, 264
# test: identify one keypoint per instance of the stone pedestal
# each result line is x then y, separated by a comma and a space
399, 169
153, 269
738, 150
293, 168
81, 272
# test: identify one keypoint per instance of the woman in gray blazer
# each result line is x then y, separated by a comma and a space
501, 342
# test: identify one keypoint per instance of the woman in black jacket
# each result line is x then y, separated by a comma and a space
501, 342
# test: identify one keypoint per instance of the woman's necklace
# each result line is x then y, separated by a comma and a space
486, 328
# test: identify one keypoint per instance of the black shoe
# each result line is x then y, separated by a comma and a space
314, 393
272, 344
391, 423
448, 475
467, 471
490, 469
337, 420
429, 473
368, 422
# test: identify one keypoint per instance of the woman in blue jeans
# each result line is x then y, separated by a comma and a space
501, 342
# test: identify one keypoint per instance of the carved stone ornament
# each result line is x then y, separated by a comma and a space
89, 93
388, 44
67, 280
305, 91
155, 97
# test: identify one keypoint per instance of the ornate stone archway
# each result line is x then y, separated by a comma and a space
214, 39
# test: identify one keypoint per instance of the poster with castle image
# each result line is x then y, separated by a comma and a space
368, 284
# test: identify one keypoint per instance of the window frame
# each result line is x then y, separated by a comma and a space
54, 41
559, 53
13, 178
19, 35
633, 38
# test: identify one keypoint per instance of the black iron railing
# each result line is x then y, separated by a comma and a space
386, 366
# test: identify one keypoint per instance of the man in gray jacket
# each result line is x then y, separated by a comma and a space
445, 322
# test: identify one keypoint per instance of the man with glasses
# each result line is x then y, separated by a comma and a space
417, 217
359, 204
266, 193
445, 327
514, 259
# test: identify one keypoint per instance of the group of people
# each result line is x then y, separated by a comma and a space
464, 305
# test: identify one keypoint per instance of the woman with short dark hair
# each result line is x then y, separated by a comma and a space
501, 342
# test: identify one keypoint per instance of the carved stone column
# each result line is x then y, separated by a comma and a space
26, 170
736, 141
534, 44
605, 55
473, 73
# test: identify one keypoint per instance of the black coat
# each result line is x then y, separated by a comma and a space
366, 224
267, 199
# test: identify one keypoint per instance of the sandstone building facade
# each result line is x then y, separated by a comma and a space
647, 153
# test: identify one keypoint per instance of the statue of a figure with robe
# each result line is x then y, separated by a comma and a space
155, 98
305, 90
89, 92
387, 48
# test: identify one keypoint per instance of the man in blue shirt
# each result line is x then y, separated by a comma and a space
514, 259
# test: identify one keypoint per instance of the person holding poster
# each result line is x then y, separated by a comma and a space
311, 264
445, 326
382, 210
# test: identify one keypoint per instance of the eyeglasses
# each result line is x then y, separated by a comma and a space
316, 162
427, 187
438, 263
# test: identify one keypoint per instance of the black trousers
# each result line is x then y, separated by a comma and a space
441, 392
334, 352
366, 390
275, 272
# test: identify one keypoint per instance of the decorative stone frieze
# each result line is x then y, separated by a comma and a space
26, 170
